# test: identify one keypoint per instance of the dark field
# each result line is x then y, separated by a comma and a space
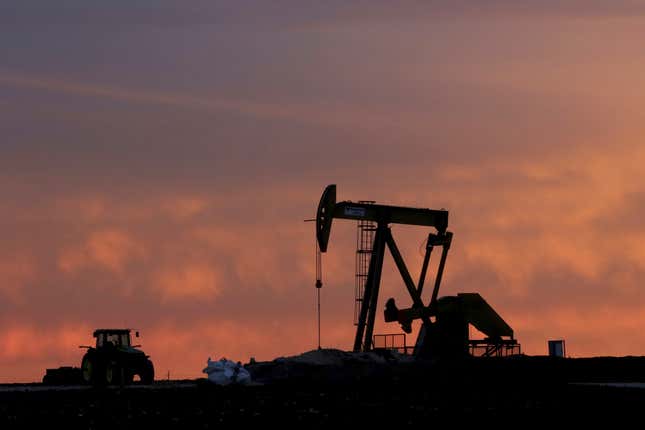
499, 393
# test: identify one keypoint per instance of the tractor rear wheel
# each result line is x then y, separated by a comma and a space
147, 373
112, 374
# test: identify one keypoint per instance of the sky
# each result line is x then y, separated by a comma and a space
158, 158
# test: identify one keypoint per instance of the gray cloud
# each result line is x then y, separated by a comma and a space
255, 13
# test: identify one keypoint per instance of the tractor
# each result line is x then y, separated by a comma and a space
114, 360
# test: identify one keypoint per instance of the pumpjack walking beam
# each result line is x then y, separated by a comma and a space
385, 215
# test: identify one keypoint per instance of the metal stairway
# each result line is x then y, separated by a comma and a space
364, 249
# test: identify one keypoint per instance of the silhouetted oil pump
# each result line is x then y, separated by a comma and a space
449, 333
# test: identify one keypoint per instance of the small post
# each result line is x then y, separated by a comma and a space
318, 285
318, 278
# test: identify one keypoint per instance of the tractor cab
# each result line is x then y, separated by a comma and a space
113, 338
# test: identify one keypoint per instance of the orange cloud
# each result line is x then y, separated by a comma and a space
186, 207
28, 349
113, 249
108, 249
519, 223
196, 282
15, 273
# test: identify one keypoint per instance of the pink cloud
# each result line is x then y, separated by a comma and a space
28, 350
198, 282
15, 272
107, 249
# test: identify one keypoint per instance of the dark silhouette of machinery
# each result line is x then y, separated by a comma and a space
445, 320
114, 360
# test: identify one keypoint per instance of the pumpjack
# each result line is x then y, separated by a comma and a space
445, 320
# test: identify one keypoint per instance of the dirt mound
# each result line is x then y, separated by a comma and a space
331, 357
326, 365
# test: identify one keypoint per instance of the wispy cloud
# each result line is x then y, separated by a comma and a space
326, 115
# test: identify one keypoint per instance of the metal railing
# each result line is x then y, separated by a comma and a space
488, 348
393, 342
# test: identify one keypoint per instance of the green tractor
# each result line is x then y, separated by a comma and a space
114, 360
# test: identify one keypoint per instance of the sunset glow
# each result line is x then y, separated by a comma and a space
157, 163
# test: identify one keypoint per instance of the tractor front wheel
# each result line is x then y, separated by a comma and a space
87, 369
